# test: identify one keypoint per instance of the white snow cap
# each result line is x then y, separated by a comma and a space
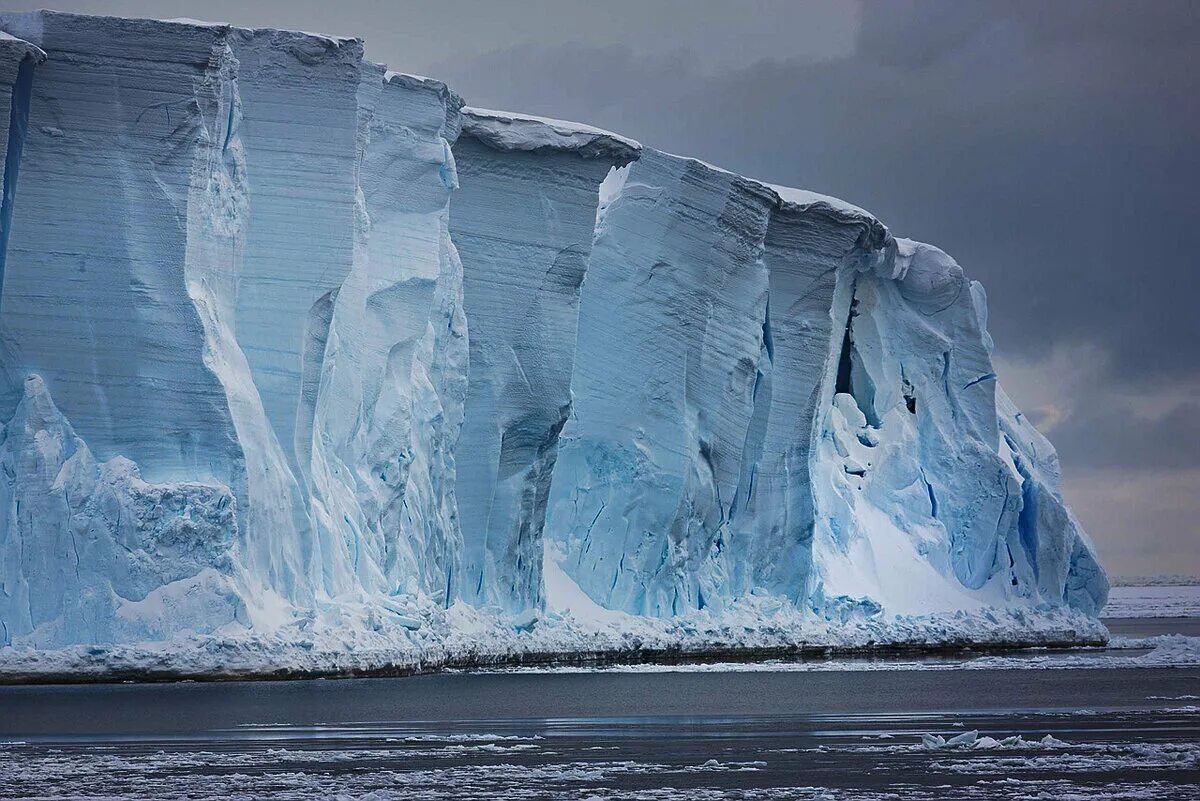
505, 130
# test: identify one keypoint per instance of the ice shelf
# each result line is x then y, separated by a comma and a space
305, 364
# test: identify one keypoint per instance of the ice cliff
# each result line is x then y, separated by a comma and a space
301, 355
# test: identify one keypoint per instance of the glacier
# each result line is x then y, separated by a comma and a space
308, 366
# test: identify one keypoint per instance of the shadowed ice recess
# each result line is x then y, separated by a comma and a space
304, 365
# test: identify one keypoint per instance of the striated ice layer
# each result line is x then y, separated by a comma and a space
151, 299
95, 295
300, 133
705, 349
253, 402
103, 308
772, 395
810, 242
523, 222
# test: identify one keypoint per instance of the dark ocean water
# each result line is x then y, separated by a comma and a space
1115, 733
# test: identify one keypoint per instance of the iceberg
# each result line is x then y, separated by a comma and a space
306, 365
104, 327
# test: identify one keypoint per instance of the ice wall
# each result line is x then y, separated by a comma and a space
943, 497
523, 223
92, 553
812, 244
173, 269
126, 208
774, 396
95, 294
300, 132
670, 337
1059, 556
911, 449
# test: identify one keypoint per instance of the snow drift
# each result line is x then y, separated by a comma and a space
300, 356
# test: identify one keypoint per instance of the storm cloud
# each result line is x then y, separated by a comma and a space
1049, 147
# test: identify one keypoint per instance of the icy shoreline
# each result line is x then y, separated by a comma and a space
553, 641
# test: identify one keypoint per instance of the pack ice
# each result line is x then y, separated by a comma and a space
304, 364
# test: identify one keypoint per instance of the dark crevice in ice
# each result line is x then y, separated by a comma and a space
910, 395
767, 338
229, 120
18, 122
842, 384
853, 379
933, 504
1027, 517
981, 379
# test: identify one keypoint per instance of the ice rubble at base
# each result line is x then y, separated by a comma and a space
306, 364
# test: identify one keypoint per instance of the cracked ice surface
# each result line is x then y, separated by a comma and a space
302, 363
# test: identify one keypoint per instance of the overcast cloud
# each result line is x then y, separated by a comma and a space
1050, 147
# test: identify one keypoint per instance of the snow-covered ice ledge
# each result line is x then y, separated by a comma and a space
307, 367
504, 130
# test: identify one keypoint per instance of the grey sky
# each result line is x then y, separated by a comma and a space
1050, 147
